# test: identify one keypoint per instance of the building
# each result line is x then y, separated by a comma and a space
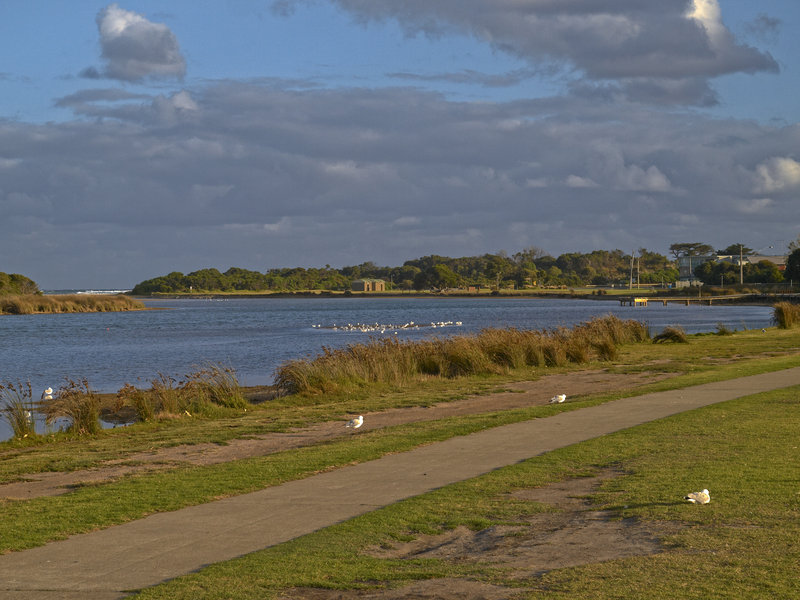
368, 285
687, 264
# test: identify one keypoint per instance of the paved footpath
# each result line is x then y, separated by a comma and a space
103, 565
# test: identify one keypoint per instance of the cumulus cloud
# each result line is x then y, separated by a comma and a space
135, 48
777, 174
260, 175
669, 45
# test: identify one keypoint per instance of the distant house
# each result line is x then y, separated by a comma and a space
687, 264
368, 285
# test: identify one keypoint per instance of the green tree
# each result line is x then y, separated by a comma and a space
793, 266
690, 249
734, 250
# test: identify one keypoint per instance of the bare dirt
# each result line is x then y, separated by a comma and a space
576, 533
522, 394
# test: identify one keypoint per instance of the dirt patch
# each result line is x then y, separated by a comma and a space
575, 534
522, 394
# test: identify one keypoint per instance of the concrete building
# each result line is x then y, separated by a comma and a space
368, 285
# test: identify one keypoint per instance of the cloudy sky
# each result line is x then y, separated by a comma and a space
142, 137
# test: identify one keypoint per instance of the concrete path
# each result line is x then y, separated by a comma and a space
105, 564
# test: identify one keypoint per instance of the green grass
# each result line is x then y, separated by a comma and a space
30, 523
742, 545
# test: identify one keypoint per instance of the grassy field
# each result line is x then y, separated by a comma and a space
66, 303
742, 545
744, 451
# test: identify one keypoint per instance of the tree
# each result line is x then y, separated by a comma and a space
735, 250
690, 249
793, 266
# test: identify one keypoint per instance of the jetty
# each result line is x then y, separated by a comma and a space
707, 300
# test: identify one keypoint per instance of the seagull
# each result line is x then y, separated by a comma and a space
698, 497
355, 423
48, 391
558, 399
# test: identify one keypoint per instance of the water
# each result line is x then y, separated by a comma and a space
254, 336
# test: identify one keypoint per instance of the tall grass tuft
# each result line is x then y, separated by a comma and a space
489, 352
671, 333
786, 315
216, 385
76, 402
17, 408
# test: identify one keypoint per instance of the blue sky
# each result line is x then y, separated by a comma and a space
142, 137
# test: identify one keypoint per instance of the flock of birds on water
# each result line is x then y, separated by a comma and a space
384, 327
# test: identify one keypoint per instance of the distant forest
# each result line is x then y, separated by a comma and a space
529, 268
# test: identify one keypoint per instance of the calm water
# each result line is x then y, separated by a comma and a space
254, 336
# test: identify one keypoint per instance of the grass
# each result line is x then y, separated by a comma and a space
17, 408
786, 315
67, 303
742, 545
90, 507
490, 352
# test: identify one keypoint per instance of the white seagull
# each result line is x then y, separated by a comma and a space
558, 399
356, 423
698, 497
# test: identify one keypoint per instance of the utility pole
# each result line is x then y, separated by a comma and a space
741, 267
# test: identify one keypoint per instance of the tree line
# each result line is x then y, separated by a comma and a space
528, 268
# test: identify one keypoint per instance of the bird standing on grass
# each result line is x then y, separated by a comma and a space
356, 423
558, 399
698, 497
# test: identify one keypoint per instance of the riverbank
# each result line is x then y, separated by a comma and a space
647, 479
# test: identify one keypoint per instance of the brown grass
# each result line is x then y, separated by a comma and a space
786, 315
68, 303
492, 351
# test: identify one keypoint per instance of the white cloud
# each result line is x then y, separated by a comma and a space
777, 174
574, 181
135, 48
755, 206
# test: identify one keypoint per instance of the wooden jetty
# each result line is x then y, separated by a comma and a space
685, 300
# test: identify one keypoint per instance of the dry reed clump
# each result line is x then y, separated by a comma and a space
199, 391
672, 333
489, 352
17, 408
216, 385
786, 314
76, 402
68, 303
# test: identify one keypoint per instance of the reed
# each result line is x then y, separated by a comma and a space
17, 408
215, 384
492, 351
786, 315
76, 402
672, 333
68, 303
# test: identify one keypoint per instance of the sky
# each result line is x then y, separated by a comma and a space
143, 137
